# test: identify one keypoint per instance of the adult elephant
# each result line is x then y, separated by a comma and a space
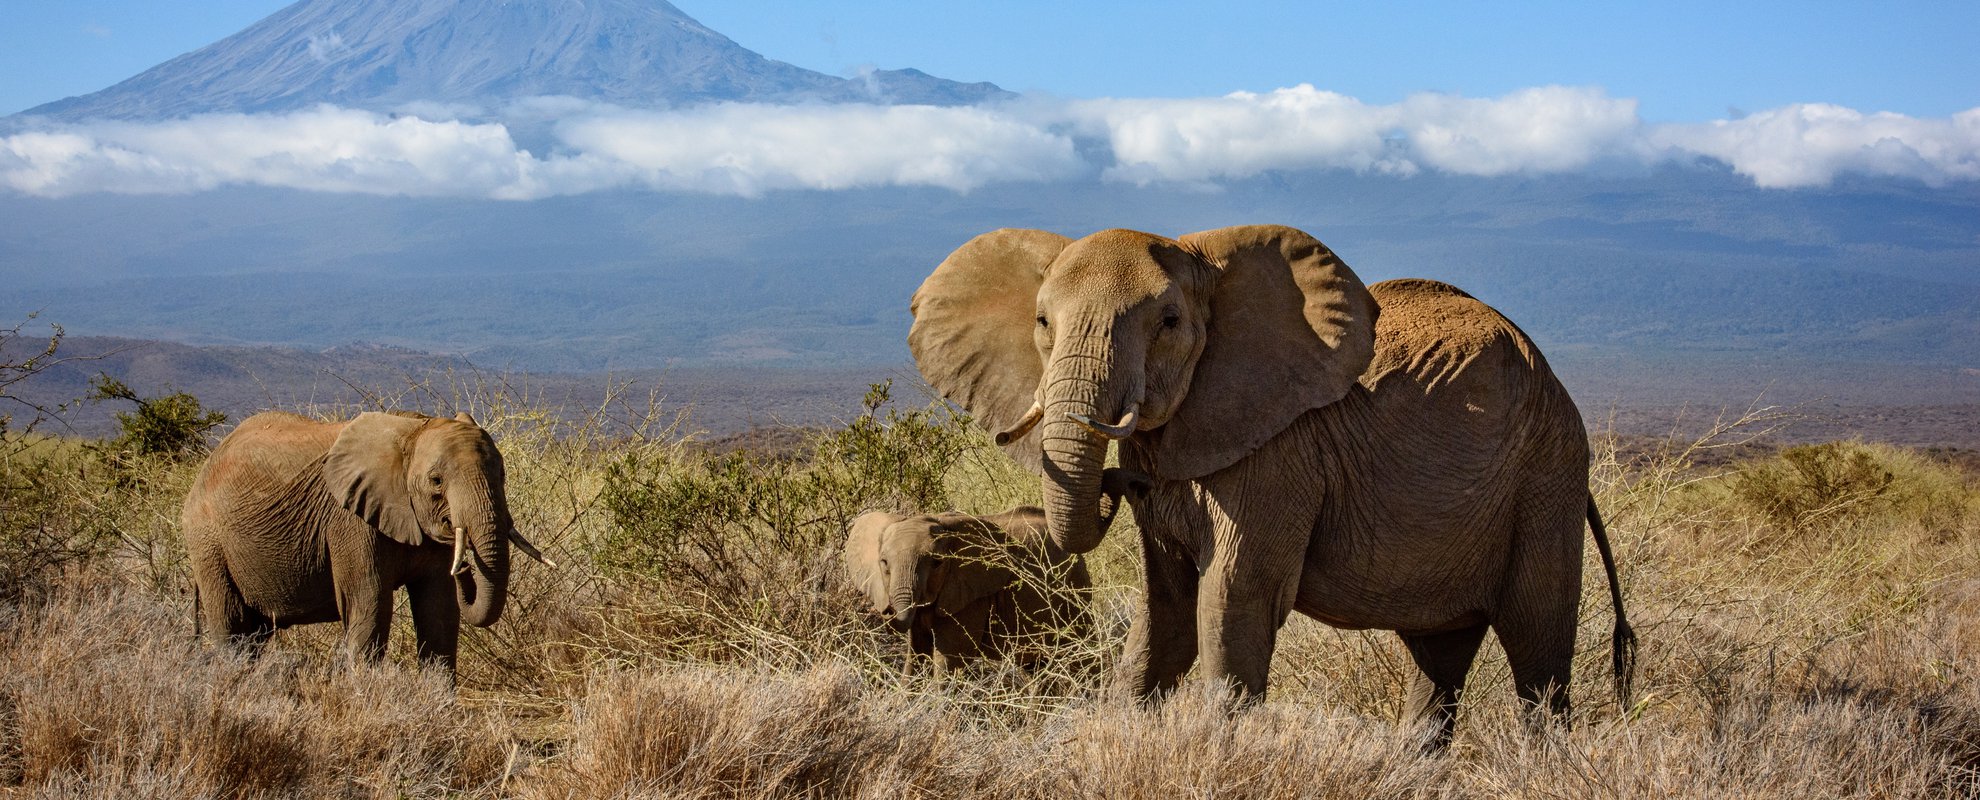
293, 521
1394, 458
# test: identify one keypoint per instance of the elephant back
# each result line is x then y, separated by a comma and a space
262, 455
1433, 333
1443, 353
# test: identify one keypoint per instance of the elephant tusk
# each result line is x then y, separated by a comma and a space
459, 566
1023, 426
530, 549
1118, 430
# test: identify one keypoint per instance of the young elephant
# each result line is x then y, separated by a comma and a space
294, 521
967, 587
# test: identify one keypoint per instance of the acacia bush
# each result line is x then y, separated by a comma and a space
174, 425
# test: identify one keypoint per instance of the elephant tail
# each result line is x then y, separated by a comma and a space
1623, 642
196, 615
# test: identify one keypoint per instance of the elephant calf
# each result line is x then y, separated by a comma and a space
293, 521
967, 587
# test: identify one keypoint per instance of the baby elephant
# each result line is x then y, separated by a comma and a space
967, 586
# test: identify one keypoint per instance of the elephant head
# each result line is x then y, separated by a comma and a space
417, 479
1198, 349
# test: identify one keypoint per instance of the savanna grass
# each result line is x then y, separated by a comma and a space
702, 641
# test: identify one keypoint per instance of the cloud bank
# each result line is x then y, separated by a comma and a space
747, 149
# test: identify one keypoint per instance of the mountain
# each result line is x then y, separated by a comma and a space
383, 55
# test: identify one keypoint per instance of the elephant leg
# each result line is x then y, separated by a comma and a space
1541, 657
1246, 592
436, 620
1442, 661
367, 619
227, 617
1161, 645
1242, 601
1538, 614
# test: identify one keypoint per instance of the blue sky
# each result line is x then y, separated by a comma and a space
1684, 61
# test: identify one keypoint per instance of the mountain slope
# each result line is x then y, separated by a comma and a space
1686, 261
385, 54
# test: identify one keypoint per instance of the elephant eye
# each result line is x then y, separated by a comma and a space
1171, 319
1041, 321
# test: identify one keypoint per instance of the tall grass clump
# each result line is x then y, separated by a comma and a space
105, 695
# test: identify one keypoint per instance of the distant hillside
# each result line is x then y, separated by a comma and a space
1632, 395
243, 380
1650, 267
385, 54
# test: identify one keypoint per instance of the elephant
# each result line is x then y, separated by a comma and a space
1397, 457
968, 587
293, 521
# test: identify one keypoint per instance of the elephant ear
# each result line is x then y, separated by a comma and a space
972, 334
366, 472
975, 562
863, 556
1291, 328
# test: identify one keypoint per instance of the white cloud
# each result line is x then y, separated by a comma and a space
323, 149
1809, 145
1236, 135
751, 149
1548, 129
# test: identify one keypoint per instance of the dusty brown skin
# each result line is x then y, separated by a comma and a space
968, 587
1395, 458
294, 521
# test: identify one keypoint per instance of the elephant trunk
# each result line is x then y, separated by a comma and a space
902, 591
1075, 455
482, 588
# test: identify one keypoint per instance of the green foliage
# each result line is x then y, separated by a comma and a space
173, 425
63, 509
1811, 483
43, 526
722, 524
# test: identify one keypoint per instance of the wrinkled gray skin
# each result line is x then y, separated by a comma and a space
294, 521
967, 587
1398, 458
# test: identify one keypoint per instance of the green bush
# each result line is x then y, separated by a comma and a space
735, 526
173, 425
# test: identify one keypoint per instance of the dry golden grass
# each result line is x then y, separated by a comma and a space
1830, 655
